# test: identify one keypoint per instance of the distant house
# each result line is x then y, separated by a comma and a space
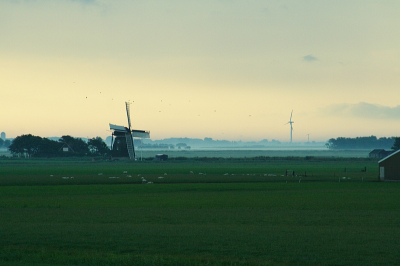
389, 167
66, 148
161, 157
379, 153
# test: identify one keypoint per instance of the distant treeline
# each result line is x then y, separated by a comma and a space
5, 143
35, 146
371, 142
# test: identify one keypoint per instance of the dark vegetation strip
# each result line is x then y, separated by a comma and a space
324, 223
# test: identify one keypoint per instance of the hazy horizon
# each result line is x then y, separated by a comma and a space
228, 70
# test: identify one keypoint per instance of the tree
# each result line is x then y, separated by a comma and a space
34, 146
98, 147
25, 145
396, 144
370, 142
48, 148
181, 145
1, 142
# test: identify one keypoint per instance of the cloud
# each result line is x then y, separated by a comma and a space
363, 110
309, 58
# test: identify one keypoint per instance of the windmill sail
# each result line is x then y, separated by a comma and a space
117, 128
129, 145
128, 113
141, 134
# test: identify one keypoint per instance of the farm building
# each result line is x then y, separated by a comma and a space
389, 167
379, 153
161, 157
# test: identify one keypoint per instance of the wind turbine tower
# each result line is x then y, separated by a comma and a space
291, 126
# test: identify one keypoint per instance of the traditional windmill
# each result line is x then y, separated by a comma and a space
124, 136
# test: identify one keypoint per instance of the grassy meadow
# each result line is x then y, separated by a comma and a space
198, 211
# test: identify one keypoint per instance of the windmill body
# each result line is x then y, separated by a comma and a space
124, 136
291, 126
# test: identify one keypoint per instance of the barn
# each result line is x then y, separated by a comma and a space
389, 167
161, 157
379, 153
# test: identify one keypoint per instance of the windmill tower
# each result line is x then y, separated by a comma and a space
124, 136
291, 126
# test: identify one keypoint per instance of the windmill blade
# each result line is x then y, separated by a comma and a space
140, 134
291, 115
128, 113
117, 128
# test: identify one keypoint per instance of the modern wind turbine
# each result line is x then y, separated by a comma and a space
124, 135
291, 126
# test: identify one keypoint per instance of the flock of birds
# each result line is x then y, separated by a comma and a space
160, 100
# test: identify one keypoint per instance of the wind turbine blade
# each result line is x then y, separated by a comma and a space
291, 115
128, 114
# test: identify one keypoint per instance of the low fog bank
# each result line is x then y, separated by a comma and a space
246, 153
210, 144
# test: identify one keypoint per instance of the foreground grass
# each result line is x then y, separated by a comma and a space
236, 212
195, 224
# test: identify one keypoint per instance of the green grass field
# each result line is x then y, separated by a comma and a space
204, 211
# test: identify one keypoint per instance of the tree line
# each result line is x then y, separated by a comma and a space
371, 142
5, 143
35, 146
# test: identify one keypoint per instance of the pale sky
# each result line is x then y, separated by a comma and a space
229, 70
